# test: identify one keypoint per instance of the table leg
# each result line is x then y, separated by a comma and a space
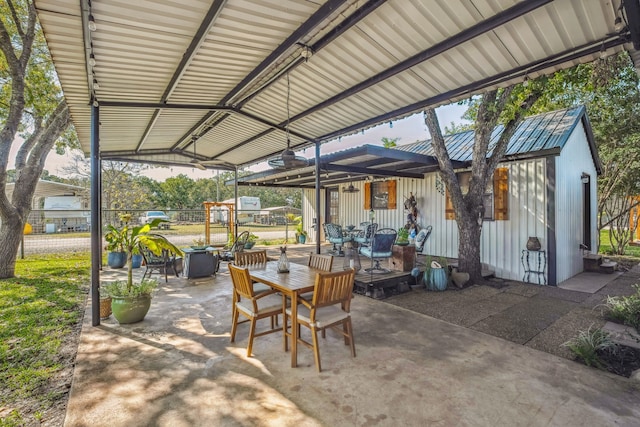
294, 329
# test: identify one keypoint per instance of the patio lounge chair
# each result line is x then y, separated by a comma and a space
381, 247
336, 236
160, 263
228, 254
367, 231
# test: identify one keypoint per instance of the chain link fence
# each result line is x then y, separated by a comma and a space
50, 231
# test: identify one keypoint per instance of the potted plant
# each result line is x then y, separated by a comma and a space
402, 238
251, 241
117, 256
301, 234
130, 302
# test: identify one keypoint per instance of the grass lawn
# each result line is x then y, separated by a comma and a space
605, 246
40, 313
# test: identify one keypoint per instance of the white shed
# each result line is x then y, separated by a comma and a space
544, 188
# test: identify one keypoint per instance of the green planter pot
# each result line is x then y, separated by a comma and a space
249, 245
130, 309
302, 238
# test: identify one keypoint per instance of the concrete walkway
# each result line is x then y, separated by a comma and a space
178, 368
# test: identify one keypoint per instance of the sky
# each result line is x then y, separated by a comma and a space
410, 129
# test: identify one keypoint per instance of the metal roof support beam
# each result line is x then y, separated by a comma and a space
319, 215
366, 171
335, 32
521, 71
196, 41
450, 43
321, 14
314, 20
632, 12
96, 230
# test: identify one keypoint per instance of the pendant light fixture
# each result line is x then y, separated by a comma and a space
350, 189
195, 162
288, 159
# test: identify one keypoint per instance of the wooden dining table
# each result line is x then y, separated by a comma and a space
298, 280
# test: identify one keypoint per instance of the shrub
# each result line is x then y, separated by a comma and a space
625, 310
587, 344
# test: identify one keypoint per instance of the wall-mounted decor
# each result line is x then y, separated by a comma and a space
380, 195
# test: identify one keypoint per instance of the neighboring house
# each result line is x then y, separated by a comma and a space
57, 207
545, 187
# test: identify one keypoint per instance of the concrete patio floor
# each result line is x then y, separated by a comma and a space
178, 368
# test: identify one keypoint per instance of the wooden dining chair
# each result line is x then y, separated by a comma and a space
254, 306
328, 308
250, 258
320, 262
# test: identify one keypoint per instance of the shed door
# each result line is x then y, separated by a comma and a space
586, 211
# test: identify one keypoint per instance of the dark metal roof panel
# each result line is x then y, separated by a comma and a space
542, 132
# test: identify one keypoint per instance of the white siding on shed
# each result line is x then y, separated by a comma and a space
502, 242
572, 162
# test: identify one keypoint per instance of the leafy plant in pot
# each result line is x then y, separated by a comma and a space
251, 241
130, 302
301, 234
117, 256
402, 238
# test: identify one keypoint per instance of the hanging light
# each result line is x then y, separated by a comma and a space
92, 23
288, 159
618, 25
195, 162
350, 189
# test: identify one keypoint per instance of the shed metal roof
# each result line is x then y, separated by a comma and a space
537, 136
168, 73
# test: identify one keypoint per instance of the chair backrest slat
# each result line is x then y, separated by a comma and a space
320, 262
332, 288
241, 281
250, 258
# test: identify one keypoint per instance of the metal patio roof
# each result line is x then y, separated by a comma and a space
165, 73
349, 165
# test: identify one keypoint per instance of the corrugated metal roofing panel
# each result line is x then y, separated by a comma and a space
139, 47
546, 131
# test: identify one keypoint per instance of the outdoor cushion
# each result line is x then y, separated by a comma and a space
325, 316
265, 304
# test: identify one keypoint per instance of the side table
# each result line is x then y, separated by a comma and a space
534, 262
200, 262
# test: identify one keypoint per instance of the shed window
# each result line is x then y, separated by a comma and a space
495, 199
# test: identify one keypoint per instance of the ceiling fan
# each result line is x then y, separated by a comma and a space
288, 159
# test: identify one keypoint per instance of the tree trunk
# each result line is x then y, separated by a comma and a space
469, 232
11, 231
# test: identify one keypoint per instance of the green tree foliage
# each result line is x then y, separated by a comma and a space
609, 89
389, 142
454, 128
34, 118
